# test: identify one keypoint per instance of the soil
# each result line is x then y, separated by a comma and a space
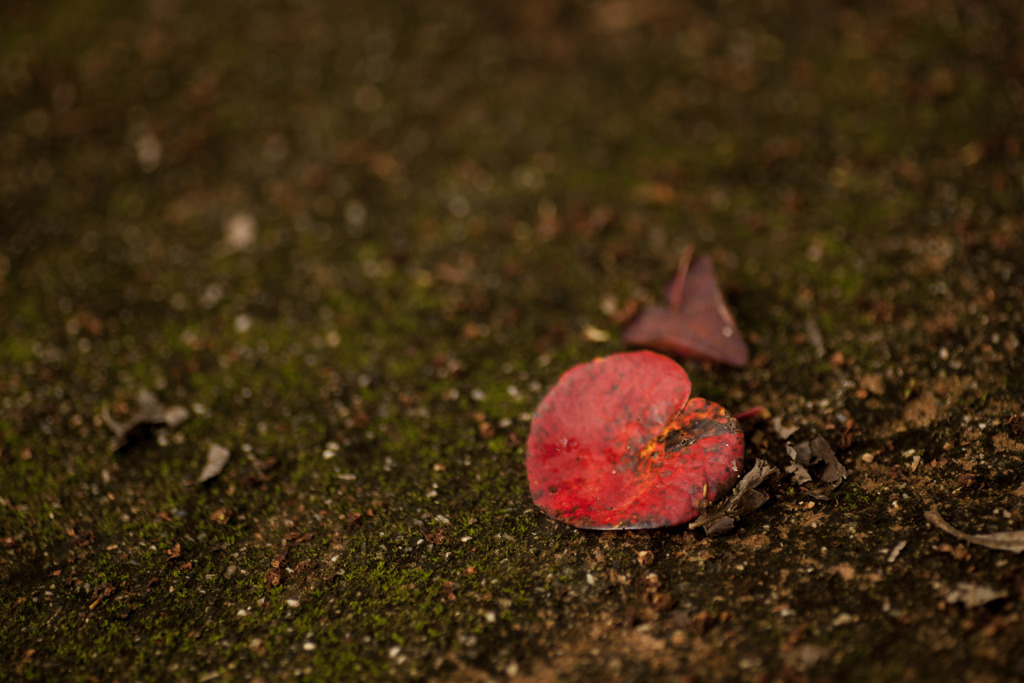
354, 244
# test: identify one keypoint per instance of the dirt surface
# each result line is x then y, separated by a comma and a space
355, 242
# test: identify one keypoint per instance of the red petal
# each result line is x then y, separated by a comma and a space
618, 444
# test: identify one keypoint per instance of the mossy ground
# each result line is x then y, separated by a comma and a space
445, 197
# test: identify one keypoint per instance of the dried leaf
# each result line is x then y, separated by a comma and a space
1010, 541
972, 595
696, 323
744, 499
783, 431
216, 458
813, 453
149, 412
799, 473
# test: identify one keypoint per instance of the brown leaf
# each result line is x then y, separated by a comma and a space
1010, 541
696, 323
173, 553
813, 453
294, 537
743, 500
221, 515
272, 579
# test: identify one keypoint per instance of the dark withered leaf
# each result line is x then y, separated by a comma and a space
719, 526
817, 455
835, 471
149, 412
1010, 541
697, 323
744, 499
1017, 424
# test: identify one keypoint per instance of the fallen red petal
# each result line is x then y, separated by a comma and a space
619, 444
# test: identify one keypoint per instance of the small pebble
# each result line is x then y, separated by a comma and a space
243, 323
240, 231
